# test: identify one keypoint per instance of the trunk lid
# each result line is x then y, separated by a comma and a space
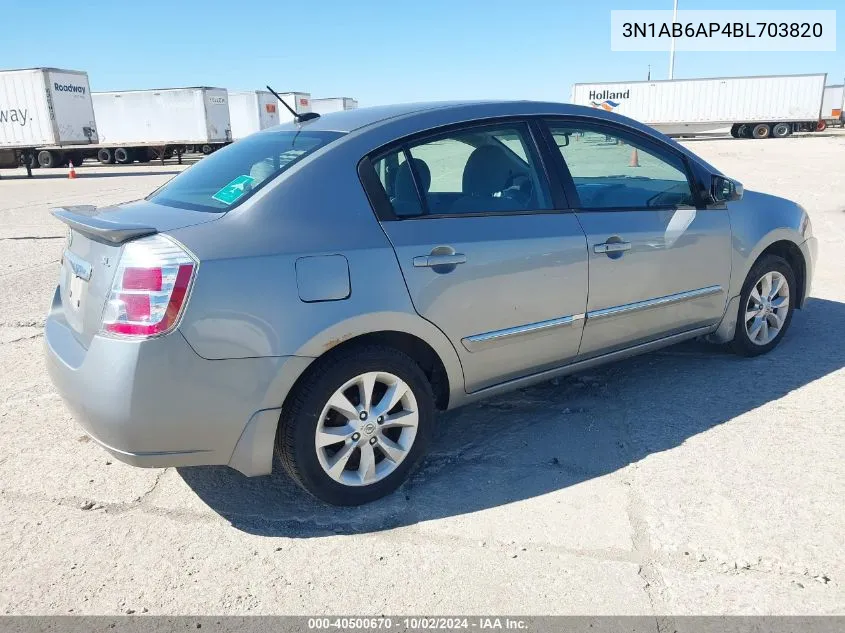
95, 242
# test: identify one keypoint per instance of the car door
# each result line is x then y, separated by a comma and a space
659, 262
486, 255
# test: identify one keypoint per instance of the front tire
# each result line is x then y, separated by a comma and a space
356, 425
765, 306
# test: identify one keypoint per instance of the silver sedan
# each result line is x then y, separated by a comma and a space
317, 291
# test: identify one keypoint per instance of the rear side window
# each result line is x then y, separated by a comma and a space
615, 172
231, 175
478, 170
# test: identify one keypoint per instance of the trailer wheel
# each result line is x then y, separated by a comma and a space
207, 149
735, 130
761, 130
105, 156
821, 126
780, 130
122, 156
48, 159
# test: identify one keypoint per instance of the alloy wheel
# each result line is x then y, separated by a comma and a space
767, 308
366, 429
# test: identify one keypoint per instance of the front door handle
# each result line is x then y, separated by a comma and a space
430, 261
612, 247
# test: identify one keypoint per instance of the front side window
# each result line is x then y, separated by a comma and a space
231, 175
471, 171
611, 172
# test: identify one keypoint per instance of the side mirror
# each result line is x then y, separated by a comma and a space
564, 141
725, 190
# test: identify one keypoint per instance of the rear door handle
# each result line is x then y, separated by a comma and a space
429, 261
612, 247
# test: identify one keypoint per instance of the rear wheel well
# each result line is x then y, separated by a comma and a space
792, 254
420, 351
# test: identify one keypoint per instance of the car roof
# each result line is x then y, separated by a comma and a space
350, 120
371, 118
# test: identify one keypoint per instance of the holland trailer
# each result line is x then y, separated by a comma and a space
746, 107
45, 111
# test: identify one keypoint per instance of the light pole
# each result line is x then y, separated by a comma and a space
672, 45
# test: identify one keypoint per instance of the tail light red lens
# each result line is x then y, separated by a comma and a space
150, 288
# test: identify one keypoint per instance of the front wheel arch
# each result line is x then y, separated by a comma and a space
788, 250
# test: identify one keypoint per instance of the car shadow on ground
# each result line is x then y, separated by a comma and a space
550, 436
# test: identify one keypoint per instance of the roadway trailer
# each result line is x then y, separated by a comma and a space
146, 124
252, 111
45, 110
747, 107
832, 105
333, 104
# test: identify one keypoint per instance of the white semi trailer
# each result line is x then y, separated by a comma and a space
333, 104
832, 105
751, 107
45, 110
144, 124
252, 111
299, 101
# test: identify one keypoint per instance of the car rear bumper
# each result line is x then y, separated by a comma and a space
156, 403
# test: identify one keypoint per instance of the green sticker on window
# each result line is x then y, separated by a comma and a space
234, 190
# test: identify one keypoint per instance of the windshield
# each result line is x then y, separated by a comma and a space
231, 175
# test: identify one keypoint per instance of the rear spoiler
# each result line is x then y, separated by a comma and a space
83, 220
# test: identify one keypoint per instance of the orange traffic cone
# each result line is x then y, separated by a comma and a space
635, 159
71, 172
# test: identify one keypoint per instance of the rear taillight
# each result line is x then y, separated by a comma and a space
150, 288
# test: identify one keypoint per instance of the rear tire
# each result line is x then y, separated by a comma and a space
307, 414
105, 156
122, 156
48, 159
761, 130
781, 130
761, 310
735, 130
821, 126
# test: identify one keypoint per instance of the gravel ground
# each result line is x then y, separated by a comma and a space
686, 481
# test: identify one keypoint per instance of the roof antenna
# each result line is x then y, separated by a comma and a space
298, 118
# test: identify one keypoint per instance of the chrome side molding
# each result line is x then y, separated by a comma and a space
653, 303
485, 340
479, 342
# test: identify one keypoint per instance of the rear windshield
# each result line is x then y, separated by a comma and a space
231, 175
